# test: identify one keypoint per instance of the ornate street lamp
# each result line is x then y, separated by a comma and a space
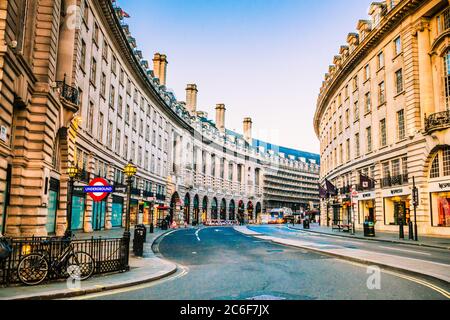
73, 173
130, 171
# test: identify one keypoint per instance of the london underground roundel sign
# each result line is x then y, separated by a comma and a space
98, 189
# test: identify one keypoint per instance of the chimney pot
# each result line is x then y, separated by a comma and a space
220, 117
191, 97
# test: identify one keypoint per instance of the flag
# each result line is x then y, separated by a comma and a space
322, 192
125, 15
366, 182
331, 189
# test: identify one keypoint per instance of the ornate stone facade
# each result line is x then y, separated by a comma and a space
382, 114
75, 89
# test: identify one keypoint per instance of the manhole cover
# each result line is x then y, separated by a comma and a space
266, 298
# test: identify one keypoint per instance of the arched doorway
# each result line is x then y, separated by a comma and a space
223, 210
258, 211
232, 211
250, 211
196, 210
174, 203
214, 210
204, 209
187, 209
241, 212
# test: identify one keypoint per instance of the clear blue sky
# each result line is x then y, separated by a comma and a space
262, 58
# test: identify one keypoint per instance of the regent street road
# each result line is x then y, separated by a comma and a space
224, 264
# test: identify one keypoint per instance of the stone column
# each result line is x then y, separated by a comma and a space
89, 202
425, 69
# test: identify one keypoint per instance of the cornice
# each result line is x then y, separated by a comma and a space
389, 23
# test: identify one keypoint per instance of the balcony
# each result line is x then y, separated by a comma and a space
437, 121
68, 93
160, 197
148, 194
394, 181
136, 192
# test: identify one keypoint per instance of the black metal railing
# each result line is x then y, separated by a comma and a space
437, 121
67, 92
110, 254
148, 194
136, 192
160, 197
394, 181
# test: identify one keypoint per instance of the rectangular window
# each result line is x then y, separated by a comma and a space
94, 72
368, 103
135, 121
401, 125
348, 150
103, 86
357, 145
366, 72
118, 137
369, 139
95, 34
381, 93
341, 154
125, 147
386, 170
383, 138
127, 114
397, 46
341, 127
347, 118
396, 167
100, 127
110, 134
405, 166
356, 111
380, 60
105, 51
83, 55
120, 106
355, 83
112, 97
446, 161
399, 81
121, 76
90, 124
114, 65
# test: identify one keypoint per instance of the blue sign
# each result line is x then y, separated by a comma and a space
98, 189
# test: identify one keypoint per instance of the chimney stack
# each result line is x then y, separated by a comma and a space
191, 97
248, 130
160, 67
220, 117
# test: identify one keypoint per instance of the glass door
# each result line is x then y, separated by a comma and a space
98, 215
78, 206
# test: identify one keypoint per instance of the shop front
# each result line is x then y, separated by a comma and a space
78, 210
148, 212
440, 204
99, 215
134, 211
52, 206
366, 207
397, 206
347, 211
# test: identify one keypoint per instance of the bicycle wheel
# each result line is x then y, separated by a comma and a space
32, 269
80, 265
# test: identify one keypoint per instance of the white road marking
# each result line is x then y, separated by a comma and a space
404, 250
196, 234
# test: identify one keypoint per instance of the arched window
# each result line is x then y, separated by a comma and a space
442, 156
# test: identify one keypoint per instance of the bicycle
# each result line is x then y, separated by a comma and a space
35, 267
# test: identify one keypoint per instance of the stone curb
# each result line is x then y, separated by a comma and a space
61, 294
373, 239
352, 259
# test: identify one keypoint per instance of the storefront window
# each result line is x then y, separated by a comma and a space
98, 215
441, 209
117, 212
78, 206
51, 214
397, 210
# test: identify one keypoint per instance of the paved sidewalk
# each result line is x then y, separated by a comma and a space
383, 236
142, 270
433, 270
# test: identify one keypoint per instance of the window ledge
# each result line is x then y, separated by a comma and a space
381, 69
399, 94
382, 105
398, 55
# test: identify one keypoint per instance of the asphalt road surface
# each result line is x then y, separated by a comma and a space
222, 264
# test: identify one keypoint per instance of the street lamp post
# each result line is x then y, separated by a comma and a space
415, 204
130, 171
72, 171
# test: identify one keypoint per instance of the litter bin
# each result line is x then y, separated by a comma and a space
164, 225
369, 229
138, 240
306, 224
